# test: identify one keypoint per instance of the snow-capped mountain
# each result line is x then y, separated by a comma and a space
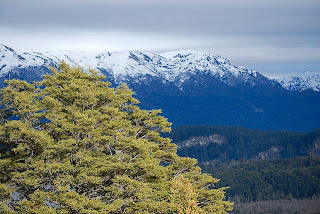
306, 80
172, 66
191, 87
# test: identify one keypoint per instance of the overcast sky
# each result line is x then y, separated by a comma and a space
274, 37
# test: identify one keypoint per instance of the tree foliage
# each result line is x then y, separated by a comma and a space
256, 180
73, 144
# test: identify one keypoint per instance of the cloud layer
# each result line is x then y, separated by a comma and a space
258, 34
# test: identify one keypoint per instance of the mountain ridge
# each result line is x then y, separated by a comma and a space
191, 87
174, 66
303, 81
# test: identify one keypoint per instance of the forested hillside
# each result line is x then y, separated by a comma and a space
256, 165
222, 144
252, 180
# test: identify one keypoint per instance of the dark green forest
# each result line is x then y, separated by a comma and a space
256, 165
256, 180
241, 143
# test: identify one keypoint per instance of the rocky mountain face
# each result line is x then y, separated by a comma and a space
191, 87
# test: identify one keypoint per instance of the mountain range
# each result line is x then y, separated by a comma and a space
191, 87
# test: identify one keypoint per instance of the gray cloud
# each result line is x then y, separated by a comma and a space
249, 32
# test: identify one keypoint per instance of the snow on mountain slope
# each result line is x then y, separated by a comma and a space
118, 64
170, 66
192, 62
10, 59
306, 80
202, 61
176, 66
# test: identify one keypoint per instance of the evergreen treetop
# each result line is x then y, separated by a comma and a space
73, 144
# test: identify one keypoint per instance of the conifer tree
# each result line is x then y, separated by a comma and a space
73, 144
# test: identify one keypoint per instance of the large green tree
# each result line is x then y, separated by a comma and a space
73, 144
